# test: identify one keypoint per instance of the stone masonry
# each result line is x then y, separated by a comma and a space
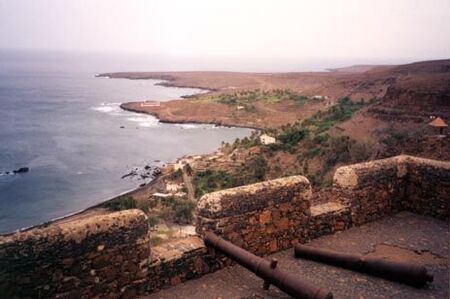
374, 189
179, 260
101, 255
109, 255
262, 218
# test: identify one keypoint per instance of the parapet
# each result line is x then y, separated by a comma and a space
374, 189
97, 255
263, 217
254, 197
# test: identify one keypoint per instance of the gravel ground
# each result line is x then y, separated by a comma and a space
404, 236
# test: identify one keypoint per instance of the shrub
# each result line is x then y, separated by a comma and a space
291, 136
311, 153
153, 221
122, 203
176, 174
360, 152
144, 206
340, 112
183, 211
178, 210
321, 138
339, 151
213, 180
259, 168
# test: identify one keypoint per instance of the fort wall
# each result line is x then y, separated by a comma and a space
374, 189
109, 255
96, 256
262, 218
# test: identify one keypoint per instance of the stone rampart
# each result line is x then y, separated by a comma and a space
262, 218
428, 187
109, 255
179, 260
377, 188
96, 256
328, 218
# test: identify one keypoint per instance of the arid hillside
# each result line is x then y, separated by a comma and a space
415, 90
320, 120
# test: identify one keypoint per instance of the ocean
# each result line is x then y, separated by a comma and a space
63, 123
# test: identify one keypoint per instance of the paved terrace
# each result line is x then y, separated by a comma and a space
405, 236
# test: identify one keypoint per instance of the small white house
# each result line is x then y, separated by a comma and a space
266, 139
160, 196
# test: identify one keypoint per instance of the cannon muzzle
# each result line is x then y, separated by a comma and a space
407, 273
286, 282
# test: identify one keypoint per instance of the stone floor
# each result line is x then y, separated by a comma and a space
404, 236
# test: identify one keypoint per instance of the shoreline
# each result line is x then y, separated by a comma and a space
181, 122
165, 81
83, 211
100, 206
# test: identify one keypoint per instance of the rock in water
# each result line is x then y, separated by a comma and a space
21, 170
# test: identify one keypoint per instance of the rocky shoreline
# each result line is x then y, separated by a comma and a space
130, 106
373, 84
15, 171
155, 173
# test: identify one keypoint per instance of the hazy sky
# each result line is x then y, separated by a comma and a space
394, 29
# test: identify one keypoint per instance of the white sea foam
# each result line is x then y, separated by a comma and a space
144, 121
196, 126
104, 108
188, 126
137, 119
112, 108
115, 110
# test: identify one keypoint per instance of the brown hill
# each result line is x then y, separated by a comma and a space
392, 119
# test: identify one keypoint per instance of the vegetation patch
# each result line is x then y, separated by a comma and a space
342, 111
180, 211
246, 97
253, 171
124, 202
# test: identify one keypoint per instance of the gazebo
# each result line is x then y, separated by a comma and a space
440, 124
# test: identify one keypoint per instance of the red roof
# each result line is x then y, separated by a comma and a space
438, 122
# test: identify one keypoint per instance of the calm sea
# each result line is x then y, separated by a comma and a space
63, 123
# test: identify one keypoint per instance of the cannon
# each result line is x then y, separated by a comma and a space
411, 274
268, 271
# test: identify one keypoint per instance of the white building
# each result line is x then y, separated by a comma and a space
266, 139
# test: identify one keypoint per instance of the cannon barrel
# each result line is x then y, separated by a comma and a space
407, 273
286, 282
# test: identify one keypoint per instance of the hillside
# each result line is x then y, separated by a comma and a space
320, 120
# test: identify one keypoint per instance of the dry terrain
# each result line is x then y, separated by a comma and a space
326, 132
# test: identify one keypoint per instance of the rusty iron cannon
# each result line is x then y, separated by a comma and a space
268, 271
407, 273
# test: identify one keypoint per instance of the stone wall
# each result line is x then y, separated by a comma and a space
262, 218
428, 187
109, 255
381, 187
100, 255
328, 218
179, 260
372, 189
